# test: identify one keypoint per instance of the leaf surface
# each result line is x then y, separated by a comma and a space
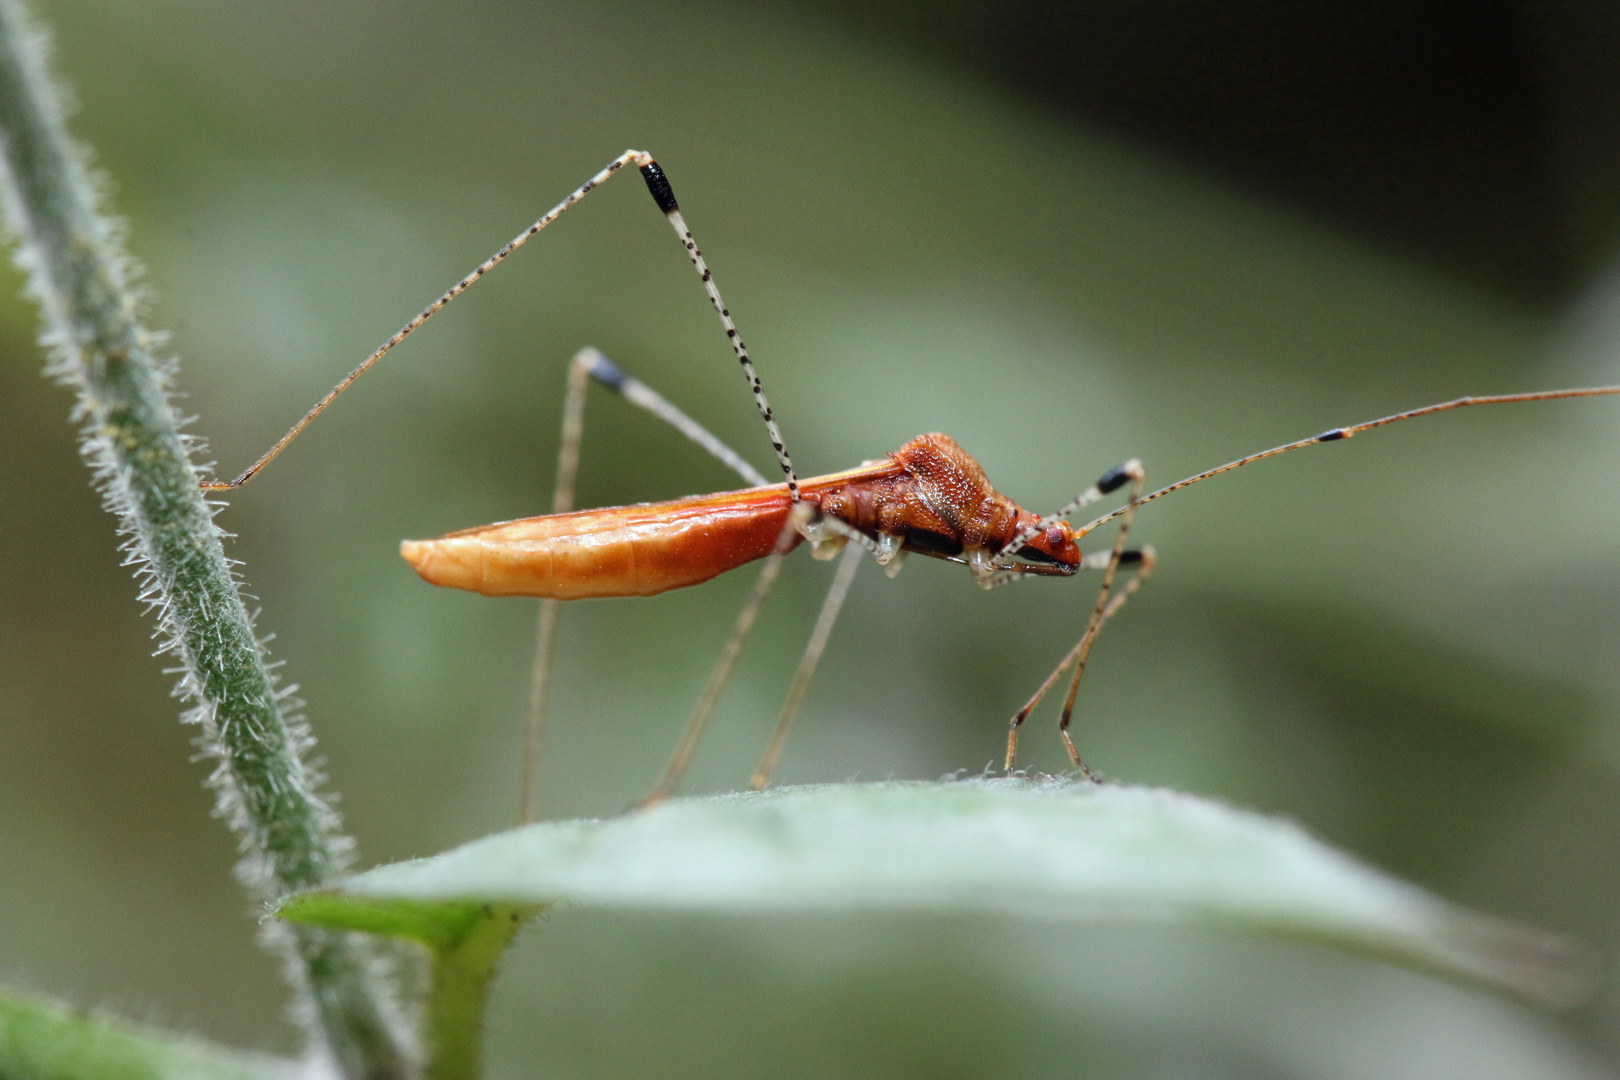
1017, 847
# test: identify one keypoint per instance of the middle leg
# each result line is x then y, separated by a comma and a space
587, 366
830, 607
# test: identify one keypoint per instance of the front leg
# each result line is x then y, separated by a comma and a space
1107, 603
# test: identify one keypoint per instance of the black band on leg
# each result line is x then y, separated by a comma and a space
658, 184
608, 373
1114, 479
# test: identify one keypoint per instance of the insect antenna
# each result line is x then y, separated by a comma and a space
1334, 435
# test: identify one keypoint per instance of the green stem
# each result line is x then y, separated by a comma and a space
463, 969
464, 944
80, 277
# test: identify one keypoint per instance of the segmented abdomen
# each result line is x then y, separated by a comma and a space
637, 550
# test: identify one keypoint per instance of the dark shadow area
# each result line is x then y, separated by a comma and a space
1478, 136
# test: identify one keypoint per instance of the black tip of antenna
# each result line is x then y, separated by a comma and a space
658, 184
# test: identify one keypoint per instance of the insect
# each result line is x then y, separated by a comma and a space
928, 498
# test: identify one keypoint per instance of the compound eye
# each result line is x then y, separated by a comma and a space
1054, 538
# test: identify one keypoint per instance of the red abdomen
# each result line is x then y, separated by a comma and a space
620, 551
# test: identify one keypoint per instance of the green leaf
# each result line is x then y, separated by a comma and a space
1044, 849
42, 1039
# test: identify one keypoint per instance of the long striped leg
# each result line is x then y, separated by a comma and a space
1105, 608
638, 393
658, 186
587, 365
545, 638
1144, 561
1082, 652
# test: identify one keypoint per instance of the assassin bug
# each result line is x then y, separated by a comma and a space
928, 498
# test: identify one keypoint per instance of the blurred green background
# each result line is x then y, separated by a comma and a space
1066, 235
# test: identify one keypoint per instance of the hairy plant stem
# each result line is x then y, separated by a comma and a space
77, 272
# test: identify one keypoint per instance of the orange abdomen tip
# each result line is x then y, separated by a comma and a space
445, 562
